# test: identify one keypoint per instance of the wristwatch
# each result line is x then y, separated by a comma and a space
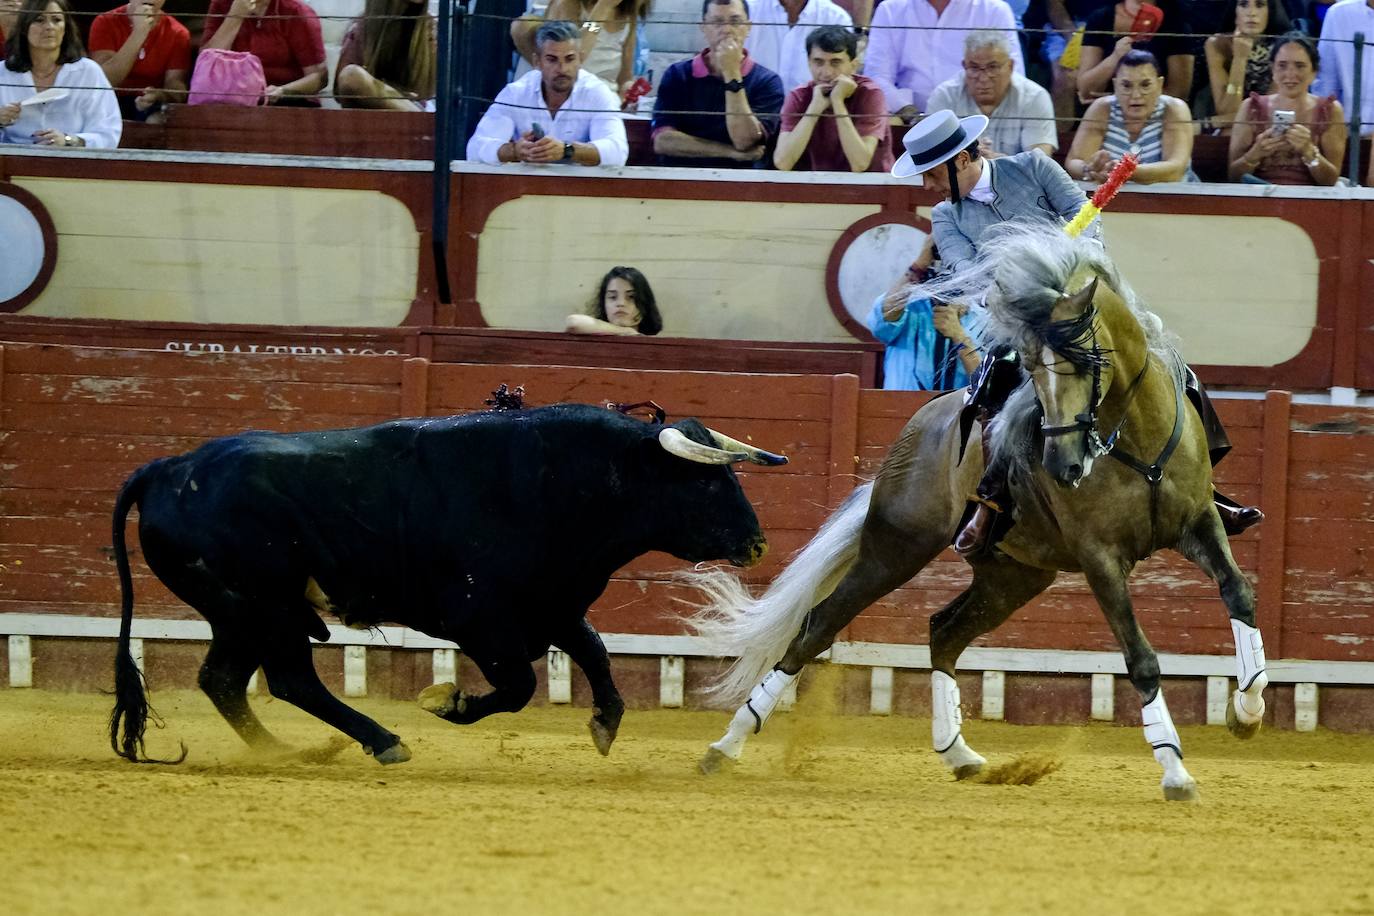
734, 86
1315, 160
568, 152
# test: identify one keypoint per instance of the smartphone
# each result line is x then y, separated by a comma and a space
537, 131
1282, 120
1147, 22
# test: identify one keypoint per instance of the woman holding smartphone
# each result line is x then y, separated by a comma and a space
1289, 136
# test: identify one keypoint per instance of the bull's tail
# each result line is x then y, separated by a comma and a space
131, 711
757, 631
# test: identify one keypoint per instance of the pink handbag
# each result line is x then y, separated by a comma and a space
227, 78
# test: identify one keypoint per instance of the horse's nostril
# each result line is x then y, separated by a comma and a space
1075, 472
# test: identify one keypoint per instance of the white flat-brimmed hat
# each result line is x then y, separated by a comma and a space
937, 138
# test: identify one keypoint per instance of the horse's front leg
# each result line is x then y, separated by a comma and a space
1206, 545
1108, 582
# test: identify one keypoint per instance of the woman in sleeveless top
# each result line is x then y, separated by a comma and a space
609, 31
1290, 137
1238, 56
1137, 119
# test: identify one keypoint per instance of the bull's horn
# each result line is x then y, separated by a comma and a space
755, 455
675, 443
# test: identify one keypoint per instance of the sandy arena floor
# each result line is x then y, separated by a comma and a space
520, 815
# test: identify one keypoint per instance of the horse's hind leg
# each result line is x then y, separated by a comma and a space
1207, 546
1000, 586
1108, 582
877, 571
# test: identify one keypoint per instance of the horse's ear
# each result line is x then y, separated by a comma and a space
1078, 302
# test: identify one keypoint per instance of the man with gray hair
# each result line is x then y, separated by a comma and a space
557, 113
1021, 112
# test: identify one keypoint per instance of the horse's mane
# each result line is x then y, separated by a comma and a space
1021, 271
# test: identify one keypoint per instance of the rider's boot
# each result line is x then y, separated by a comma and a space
992, 499
1235, 518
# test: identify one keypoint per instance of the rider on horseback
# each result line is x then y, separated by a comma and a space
979, 194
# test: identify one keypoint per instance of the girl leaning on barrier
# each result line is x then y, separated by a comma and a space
51, 94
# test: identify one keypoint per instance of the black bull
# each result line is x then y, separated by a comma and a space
496, 531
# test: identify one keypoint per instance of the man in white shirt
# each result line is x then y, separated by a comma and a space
557, 113
1021, 112
777, 38
917, 44
1337, 72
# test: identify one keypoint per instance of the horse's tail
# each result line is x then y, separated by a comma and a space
757, 631
131, 711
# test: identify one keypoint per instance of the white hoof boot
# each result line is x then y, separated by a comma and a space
962, 760
1177, 783
748, 720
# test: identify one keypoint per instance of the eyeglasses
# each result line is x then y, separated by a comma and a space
992, 69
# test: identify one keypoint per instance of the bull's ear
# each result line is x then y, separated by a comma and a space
675, 443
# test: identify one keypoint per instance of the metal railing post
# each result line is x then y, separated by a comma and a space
1355, 102
443, 116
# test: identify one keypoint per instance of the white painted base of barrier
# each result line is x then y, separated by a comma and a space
1218, 697
880, 691
560, 677
445, 666
671, 681
1305, 707
994, 695
1104, 697
355, 671
21, 661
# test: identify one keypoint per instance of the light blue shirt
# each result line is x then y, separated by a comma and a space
910, 362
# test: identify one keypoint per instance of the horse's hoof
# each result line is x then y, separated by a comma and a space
440, 699
967, 771
1242, 730
1185, 792
714, 762
326, 752
602, 735
397, 753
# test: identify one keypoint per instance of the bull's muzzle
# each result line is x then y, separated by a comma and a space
754, 554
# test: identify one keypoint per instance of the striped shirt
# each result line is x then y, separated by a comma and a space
1148, 146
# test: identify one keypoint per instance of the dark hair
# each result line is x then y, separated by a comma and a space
556, 31
19, 59
650, 321
832, 39
1138, 58
1296, 38
1278, 24
396, 45
707, 4
972, 150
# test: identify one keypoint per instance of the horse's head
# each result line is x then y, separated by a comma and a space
1070, 374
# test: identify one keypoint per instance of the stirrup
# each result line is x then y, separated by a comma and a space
973, 539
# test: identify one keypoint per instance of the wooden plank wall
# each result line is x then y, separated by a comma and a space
75, 422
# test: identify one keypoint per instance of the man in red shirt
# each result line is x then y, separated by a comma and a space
285, 36
838, 122
145, 54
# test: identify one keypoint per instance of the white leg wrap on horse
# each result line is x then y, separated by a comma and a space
1250, 676
945, 715
1168, 749
1159, 726
750, 717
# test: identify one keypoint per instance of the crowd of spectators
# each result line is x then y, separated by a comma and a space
786, 84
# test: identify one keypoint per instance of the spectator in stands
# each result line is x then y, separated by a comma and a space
610, 29
285, 36
916, 45
1139, 118
779, 33
1064, 19
44, 52
930, 346
1021, 111
1114, 25
387, 58
838, 121
1337, 76
719, 109
558, 113
1291, 136
9, 14
146, 55
624, 305
1238, 55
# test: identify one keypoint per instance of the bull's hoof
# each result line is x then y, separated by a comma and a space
1185, 792
397, 753
714, 762
1242, 730
967, 771
326, 752
441, 699
601, 735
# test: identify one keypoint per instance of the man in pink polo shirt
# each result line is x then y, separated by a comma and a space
838, 122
